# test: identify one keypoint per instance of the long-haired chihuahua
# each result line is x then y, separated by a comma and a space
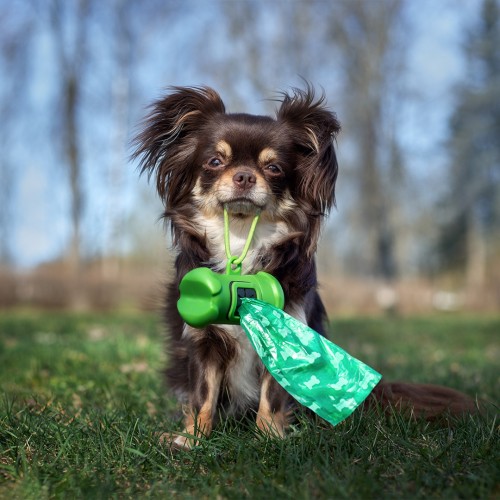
285, 167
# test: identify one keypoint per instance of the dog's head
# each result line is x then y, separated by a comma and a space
204, 157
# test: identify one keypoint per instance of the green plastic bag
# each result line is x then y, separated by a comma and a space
316, 372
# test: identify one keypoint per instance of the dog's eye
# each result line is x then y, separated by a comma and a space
274, 169
214, 163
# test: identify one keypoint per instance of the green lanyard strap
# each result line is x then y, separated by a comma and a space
233, 261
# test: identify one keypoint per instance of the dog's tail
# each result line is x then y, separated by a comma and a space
422, 400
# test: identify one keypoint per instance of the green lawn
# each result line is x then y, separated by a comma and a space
83, 403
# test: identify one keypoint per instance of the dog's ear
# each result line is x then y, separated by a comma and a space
314, 129
168, 140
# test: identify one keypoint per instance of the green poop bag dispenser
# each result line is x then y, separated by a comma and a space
207, 297
212, 298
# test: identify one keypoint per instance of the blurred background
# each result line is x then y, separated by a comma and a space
416, 86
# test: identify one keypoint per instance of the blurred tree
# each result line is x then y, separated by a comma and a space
69, 23
471, 212
271, 42
372, 39
122, 41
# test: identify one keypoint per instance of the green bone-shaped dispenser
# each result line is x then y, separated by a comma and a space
207, 297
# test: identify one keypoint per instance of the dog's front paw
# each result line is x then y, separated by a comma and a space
178, 441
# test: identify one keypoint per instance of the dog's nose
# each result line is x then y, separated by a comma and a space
244, 180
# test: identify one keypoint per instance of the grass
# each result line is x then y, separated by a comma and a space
83, 403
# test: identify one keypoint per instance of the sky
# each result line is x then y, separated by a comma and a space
41, 227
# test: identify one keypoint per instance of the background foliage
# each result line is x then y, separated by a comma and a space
415, 87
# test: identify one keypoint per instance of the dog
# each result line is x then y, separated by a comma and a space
285, 167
